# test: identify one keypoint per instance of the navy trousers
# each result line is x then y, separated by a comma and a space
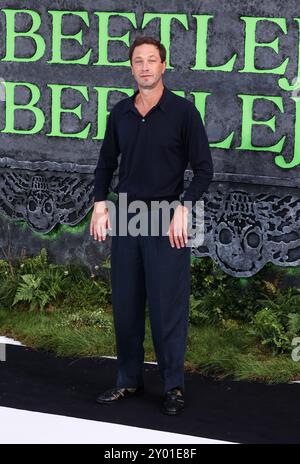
147, 269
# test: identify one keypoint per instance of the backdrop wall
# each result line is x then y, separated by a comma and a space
64, 65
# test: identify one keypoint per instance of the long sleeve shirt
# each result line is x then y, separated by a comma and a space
154, 151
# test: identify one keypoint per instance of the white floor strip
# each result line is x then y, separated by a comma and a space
26, 427
145, 362
9, 341
3, 342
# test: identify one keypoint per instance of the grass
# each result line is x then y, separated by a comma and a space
44, 331
233, 353
222, 352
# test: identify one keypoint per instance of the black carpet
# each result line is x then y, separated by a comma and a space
240, 412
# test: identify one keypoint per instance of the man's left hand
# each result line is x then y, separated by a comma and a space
177, 231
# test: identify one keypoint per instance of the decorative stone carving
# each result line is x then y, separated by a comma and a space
246, 225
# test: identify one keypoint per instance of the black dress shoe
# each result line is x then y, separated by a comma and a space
118, 393
173, 402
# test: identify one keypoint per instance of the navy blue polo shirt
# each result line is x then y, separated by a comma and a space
153, 151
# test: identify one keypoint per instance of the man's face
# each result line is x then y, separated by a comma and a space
147, 67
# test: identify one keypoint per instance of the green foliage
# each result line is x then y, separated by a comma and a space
279, 320
31, 282
8, 288
205, 310
217, 296
293, 324
271, 312
29, 291
97, 319
4, 268
282, 302
268, 311
85, 292
32, 264
267, 326
41, 288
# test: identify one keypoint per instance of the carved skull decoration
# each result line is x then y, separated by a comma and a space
40, 204
238, 235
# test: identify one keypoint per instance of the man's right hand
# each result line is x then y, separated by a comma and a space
100, 221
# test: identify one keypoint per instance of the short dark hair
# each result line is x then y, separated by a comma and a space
140, 40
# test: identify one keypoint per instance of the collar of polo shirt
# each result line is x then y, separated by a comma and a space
162, 102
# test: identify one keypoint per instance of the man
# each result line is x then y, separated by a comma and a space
157, 133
